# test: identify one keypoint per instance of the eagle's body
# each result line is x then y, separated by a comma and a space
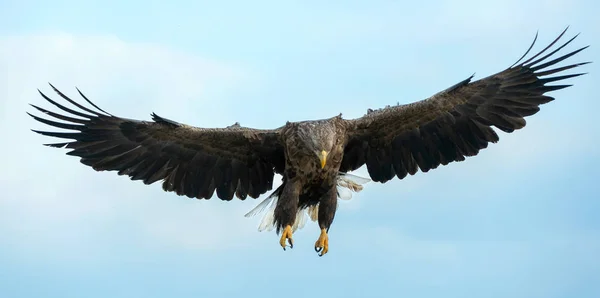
313, 157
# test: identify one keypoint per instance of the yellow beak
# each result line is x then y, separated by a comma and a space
323, 158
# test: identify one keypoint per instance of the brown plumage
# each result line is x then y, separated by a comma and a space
313, 157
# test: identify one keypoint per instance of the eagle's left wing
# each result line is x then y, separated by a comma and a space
396, 141
191, 161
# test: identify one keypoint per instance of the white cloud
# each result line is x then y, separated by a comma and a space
52, 200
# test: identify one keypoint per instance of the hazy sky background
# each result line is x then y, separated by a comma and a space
519, 220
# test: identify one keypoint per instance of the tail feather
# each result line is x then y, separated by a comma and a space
300, 220
313, 212
264, 204
346, 185
268, 220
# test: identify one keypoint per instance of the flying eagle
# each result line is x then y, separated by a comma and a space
314, 158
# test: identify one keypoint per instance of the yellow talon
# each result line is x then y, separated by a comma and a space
287, 234
322, 244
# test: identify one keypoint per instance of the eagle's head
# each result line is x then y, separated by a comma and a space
316, 139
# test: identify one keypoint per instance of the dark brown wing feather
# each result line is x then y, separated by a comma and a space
455, 123
192, 161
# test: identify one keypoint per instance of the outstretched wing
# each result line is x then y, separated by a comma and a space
192, 161
452, 124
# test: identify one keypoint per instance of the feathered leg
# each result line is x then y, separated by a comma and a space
327, 208
286, 210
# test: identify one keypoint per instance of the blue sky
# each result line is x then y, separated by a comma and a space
508, 222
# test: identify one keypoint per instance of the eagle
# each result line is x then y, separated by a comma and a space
314, 157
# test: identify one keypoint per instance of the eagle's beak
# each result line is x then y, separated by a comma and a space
323, 158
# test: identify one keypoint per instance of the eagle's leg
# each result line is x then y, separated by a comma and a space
327, 208
286, 235
322, 244
285, 211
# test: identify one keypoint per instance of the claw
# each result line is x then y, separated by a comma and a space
286, 235
322, 244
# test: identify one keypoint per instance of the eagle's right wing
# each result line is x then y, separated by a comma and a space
192, 161
457, 122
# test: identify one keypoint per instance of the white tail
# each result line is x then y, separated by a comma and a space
346, 185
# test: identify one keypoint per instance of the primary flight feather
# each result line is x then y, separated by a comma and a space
313, 157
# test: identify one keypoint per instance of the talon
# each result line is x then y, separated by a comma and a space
286, 235
322, 244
